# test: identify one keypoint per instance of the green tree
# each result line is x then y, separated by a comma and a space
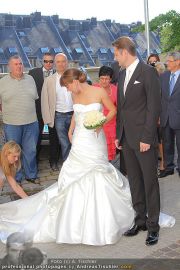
168, 26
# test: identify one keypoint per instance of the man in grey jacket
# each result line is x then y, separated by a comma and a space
170, 114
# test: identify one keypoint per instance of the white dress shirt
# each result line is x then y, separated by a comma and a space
64, 101
129, 72
49, 71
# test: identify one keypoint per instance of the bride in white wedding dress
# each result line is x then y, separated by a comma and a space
91, 202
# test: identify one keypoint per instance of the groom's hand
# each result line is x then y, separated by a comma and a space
117, 144
144, 147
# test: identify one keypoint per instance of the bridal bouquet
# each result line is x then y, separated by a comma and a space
94, 119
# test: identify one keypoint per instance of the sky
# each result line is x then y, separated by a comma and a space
123, 11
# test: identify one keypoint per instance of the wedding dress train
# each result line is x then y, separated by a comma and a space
90, 203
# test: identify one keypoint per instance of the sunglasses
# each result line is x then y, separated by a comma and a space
48, 61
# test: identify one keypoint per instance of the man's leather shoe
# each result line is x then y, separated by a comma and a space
135, 229
54, 167
33, 180
152, 238
164, 173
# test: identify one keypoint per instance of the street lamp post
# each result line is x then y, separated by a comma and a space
146, 14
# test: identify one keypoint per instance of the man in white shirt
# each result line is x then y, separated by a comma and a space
57, 105
138, 110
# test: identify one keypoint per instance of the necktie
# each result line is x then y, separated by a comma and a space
47, 73
128, 72
171, 84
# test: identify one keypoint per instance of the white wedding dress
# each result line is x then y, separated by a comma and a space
90, 203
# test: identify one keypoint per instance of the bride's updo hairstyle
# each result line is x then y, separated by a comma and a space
72, 74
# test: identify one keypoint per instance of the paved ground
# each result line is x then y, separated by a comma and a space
129, 248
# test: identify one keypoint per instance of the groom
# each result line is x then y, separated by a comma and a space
137, 116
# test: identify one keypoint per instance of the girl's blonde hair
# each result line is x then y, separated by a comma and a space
8, 148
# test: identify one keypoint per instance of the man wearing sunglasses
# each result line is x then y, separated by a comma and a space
39, 75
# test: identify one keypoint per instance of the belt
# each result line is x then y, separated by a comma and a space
65, 113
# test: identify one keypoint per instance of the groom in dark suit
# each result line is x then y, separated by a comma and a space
39, 74
138, 112
170, 114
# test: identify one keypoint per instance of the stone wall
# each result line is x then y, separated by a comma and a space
91, 71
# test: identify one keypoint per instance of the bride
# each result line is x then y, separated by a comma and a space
91, 202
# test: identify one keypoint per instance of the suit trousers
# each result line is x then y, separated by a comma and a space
144, 186
122, 168
169, 136
41, 126
54, 147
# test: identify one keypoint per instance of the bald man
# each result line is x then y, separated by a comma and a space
57, 105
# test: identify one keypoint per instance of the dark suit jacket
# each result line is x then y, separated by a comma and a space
37, 74
138, 111
116, 69
170, 104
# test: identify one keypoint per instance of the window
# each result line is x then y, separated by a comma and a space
90, 50
79, 50
44, 49
103, 50
82, 36
12, 50
57, 50
27, 50
69, 50
22, 34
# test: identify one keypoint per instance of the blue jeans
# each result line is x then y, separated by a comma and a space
62, 123
26, 136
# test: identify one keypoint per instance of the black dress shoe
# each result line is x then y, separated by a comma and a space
164, 173
54, 167
135, 229
152, 238
33, 181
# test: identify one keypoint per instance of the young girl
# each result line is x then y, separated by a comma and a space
9, 164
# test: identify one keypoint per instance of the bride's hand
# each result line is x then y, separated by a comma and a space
98, 130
